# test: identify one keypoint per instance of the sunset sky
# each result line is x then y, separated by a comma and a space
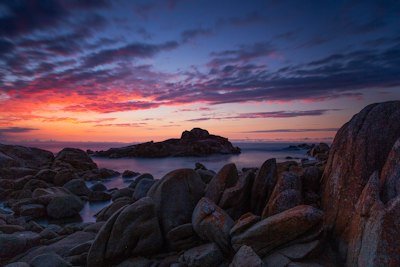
147, 70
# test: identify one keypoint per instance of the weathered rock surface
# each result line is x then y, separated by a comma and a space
279, 229
64, 206
287, 194
13, 244
133, 230
77, 187
197, 142
176, 196
361, 147
263, 186
227, 177
212, 223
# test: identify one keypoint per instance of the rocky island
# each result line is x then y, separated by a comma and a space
343, 210
194, 143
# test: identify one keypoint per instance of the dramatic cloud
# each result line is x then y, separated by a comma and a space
272, 114
295, 130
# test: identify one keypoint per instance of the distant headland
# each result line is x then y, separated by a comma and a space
194, 143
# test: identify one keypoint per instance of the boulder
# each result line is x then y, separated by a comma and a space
32, 210
99, 196
16, 243
46, 175
18, 264
9, 228
227, 177
60, 247
142, 188
49, 260
98, 174
286, 195
73, 159
182, 237
279, 229
121, 193
360, 148
207, 255
20, 156
246, 257
129, 174
45, 195
64, 206
107, 212
64, 176
77, 187
263, 185
321, 148
206, 175
212, 223
98, 187
133, 230
32, 184
175, 197
236, 199
139, 178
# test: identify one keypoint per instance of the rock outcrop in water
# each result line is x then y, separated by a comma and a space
194, 143
340, 211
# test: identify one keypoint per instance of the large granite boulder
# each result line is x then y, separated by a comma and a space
77, 187
16, 243
227, 177
263, 186
133, 230
212, 223
286, 195
64, 206
73, 159
175, 197
246, 257
360, 148
207, 255
28, 157
280, 229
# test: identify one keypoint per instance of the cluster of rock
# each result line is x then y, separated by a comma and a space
196, 143
343, 211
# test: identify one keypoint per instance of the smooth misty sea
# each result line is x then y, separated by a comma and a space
253, 155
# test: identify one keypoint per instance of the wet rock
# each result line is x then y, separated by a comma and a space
175, 197
133, 230
263, 186
279, 229
212, 223
207, 255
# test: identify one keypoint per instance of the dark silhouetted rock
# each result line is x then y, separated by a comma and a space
139, 178
107, 212
142, 188
49, 260
98, 174
212, 223
28, 157
46, 175
98, 187
129, 174
64, 206
197, 142
73, 159
175, 197
64, 176
182, 237
131, 231
32, 210
263, 186
124, 192
16, 243
77, 187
